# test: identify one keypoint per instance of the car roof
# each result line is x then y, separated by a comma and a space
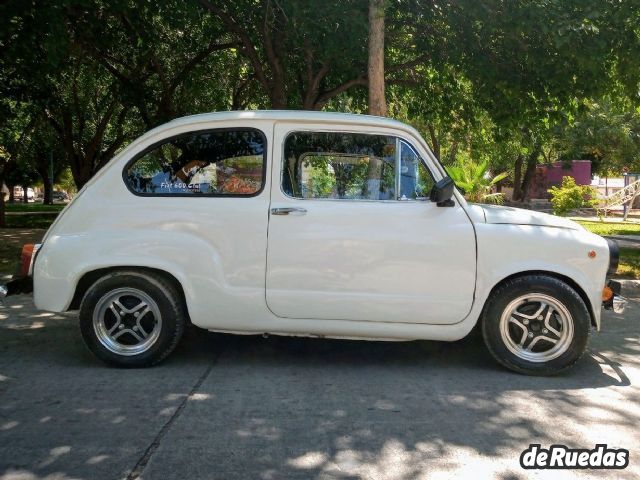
302, 116
288, 115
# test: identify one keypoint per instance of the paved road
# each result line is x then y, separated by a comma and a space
225, 407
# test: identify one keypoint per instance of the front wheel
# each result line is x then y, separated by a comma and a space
537, 325
132, 319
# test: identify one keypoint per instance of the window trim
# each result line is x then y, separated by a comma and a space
155, 145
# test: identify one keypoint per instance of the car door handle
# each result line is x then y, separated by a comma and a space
288, 211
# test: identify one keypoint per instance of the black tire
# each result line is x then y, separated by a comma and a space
571, 344
155, 290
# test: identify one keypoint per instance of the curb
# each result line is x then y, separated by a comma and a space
625, 238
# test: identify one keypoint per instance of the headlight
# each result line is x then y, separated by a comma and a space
614, 256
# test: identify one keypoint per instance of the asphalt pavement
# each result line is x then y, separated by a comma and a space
235, 407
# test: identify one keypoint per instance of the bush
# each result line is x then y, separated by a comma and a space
570, 196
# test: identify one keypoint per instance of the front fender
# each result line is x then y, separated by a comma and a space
506, 250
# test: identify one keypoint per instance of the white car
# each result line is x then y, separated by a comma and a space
18, 194
312, 224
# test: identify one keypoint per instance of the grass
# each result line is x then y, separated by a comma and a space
33, 207
629, 263
31, 215
610, 228
29, 221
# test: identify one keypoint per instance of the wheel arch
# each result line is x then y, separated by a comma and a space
90, 277
568, 280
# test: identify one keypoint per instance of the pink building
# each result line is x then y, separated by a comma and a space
551, 174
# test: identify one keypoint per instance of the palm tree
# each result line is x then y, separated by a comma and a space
476, 182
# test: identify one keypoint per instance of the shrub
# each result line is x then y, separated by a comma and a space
570, 196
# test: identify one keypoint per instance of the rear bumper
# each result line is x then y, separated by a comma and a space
16, 286
22, 281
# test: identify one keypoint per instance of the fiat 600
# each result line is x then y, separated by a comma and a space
312, 224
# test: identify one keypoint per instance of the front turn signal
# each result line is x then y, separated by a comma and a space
607, 294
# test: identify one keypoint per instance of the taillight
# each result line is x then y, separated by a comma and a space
26, 258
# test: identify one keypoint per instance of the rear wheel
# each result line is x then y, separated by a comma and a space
132, 319
536, 325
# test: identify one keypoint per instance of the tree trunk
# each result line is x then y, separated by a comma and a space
517, 179
81, 175
12, 193
3, 222
25, 196
453, 152
278, 97
377, 101
45, 175
48, 190
532, 162
435, 144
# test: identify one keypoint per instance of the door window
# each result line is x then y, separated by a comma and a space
208, 163
353, 166
339, 166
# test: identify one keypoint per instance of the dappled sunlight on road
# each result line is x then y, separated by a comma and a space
302, 408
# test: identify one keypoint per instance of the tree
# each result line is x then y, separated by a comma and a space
606, 133
88, 119
44, 155
15, 125
295, 49
167, 58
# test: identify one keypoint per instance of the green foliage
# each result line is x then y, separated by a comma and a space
608, 134
65, 182
321, 181
476, 182
570, 196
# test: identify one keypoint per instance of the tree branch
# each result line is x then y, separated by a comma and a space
409, 64
198, 58
334, 92
242, 35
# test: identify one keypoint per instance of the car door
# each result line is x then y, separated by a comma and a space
351, 236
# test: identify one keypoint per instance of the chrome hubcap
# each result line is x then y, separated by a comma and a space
536, 327
127, 321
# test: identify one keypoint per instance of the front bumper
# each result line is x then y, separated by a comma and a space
617, 302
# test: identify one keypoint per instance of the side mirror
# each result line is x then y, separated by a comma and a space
442, 192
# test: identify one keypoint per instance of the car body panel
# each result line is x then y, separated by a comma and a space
497, 214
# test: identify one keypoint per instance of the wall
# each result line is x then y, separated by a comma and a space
550, 175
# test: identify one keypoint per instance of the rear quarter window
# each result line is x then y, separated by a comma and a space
222, 162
